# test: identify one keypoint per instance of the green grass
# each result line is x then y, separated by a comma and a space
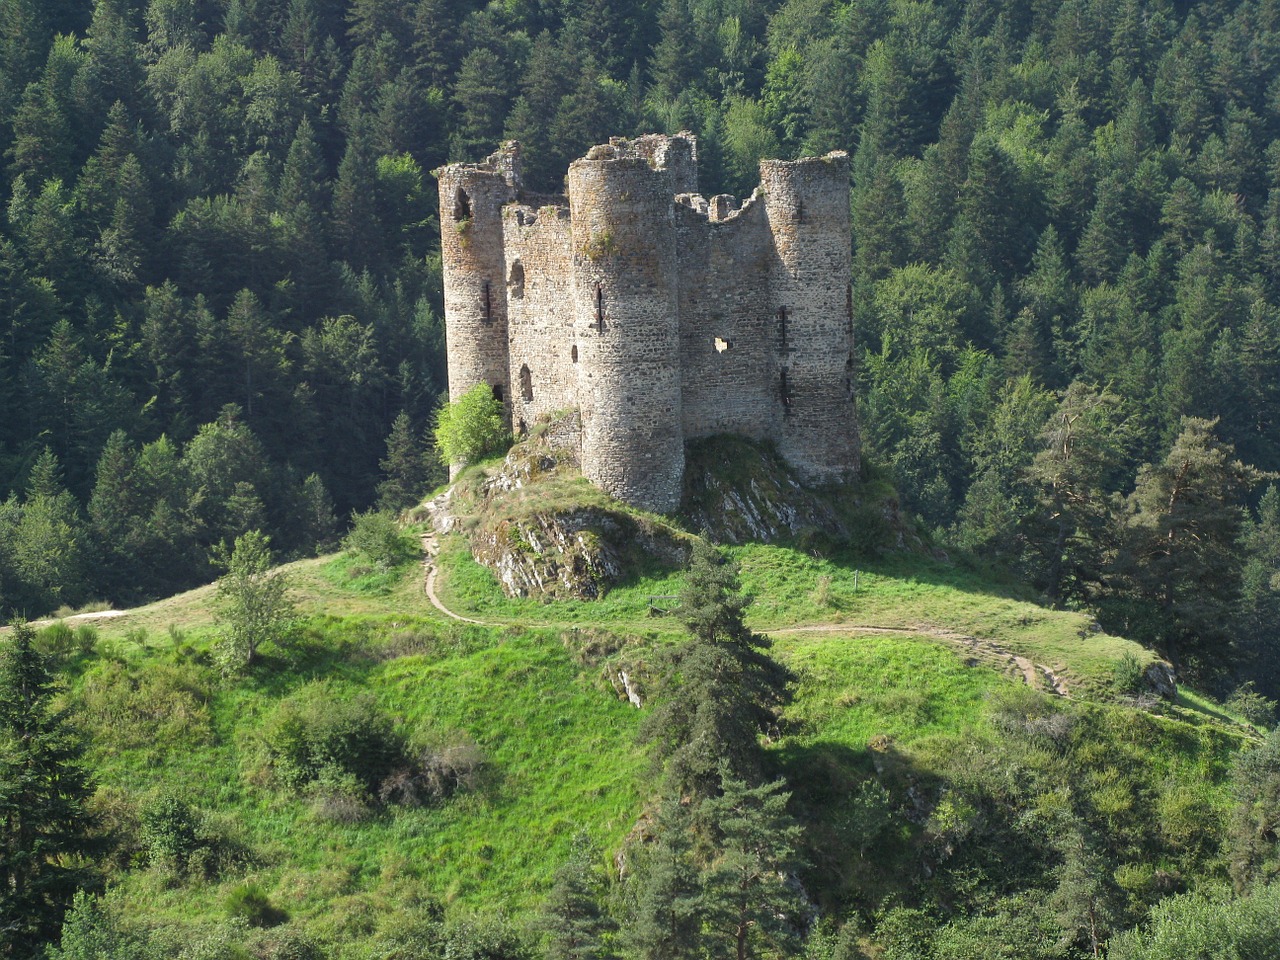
518, 695
890, 695
792, 589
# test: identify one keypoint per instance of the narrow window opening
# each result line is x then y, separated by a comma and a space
526, 383
497, 392
723, 345
784, 392
599, 308
799, 210
573, 354
523, 429
461, 205
848, 304
516, 281
488, 303
782, 327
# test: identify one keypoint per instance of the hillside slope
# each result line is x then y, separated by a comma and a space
946, 733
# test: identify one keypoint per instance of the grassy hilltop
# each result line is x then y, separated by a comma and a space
943, 731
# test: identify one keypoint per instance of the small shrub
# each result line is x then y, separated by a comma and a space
437, 772
86, 639
1020, 711
321, 733
821, 595
377, 537
56, 640
484, 938
1128, 677
249, 903
472, 427
337, 796
1253, 706
179, 840
92, 930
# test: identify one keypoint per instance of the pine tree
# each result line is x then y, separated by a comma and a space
1177, 571
404, 470
663, 920
44, 789
748, 905
573, 918
719, 690
677, 60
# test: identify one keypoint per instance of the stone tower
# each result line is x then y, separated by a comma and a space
807, 203
627, 326
659, 316
471, 246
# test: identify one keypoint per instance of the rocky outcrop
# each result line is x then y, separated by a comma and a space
544, 532
1161, 680
742, 492
577, 553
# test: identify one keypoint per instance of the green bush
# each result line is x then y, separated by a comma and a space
322, 732
471, 428
1253, 706
170, 833
249, 903
178, 839
56, 640
1196, 925
1128, 678
91, 931
376, 536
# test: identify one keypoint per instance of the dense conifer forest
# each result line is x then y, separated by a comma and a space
220, 285
221, 321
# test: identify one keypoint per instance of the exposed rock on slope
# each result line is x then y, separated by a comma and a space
546, 532
738, 492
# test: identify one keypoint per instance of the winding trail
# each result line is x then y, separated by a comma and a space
430, 550
1034, 675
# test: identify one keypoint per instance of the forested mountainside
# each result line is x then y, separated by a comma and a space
219, 286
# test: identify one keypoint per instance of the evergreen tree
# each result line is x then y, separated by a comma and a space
404, 469
572, 917
749, 907
677, 61
719, 690
663, 920
44, 789
1177, 574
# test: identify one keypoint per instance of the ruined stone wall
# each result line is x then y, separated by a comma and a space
807, 203
471, 245
627, 326
727, 353
658, 317
540, 312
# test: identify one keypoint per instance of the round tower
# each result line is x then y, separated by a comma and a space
626, 326
807, 205
474, 267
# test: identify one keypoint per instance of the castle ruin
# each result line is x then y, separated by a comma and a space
656, 314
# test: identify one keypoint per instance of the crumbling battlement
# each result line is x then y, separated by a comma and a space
657, 314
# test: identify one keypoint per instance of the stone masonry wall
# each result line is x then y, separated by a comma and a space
726, 351
628, 329
807, 202
658, 315
471, 245
540, 312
